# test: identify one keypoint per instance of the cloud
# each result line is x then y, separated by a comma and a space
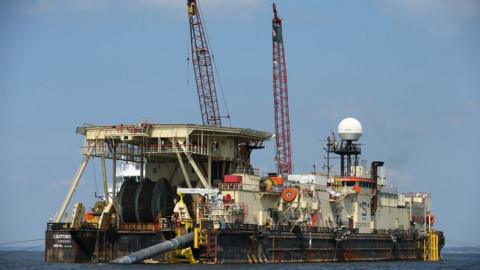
216, 8
443, 18
399, 179
472, 104
61, 185
244, 9
215, 4
458, 8
17, 179
46, 6
167, 4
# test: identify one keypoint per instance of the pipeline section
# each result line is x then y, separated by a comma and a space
139, 256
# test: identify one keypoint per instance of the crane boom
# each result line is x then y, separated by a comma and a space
283, 156
202, 65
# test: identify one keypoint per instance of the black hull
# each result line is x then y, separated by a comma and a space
234, 246
245, 247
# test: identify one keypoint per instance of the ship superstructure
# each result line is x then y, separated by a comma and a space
198, 186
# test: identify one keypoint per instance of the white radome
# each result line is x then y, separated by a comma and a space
350, 129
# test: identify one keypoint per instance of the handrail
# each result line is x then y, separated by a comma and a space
171, 148
238, 186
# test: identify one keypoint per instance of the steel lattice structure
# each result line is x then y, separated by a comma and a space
202, 65
283, 156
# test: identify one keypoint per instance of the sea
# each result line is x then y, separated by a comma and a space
33, 260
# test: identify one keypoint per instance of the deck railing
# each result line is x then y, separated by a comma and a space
170, 148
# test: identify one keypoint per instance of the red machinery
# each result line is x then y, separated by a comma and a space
202, 65
283, 157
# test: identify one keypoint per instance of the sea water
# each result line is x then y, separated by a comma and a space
33, 260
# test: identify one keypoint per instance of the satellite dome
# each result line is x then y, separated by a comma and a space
350, 129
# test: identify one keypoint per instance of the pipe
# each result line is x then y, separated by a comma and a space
139, 256
374, 175
374, 169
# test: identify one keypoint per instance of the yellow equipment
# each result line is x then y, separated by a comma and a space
430, 246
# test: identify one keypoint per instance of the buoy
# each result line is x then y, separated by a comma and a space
289, 194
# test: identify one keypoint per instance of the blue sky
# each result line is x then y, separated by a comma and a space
409, 70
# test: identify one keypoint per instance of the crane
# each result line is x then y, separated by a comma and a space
202, 66
283, 148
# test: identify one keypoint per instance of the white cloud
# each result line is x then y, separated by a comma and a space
17, 179
214, 8
215, 4
45, 6
450, 8
473, 104
168, 4
60, 185
243, 9
400, 179
444, 18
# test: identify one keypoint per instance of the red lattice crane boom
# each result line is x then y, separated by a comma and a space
283, 156
202, 66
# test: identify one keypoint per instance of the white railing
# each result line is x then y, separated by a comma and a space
357, 225
169, 149
130, 150
239, 186
246, 170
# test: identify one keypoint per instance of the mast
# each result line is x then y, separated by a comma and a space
202, 66
283, 156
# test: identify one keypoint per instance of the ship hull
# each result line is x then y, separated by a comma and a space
234, 246
312, 247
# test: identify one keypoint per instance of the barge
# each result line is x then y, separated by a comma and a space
198, 180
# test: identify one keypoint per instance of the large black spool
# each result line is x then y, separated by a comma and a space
141, 202
126, 200
143, 198
162, 199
